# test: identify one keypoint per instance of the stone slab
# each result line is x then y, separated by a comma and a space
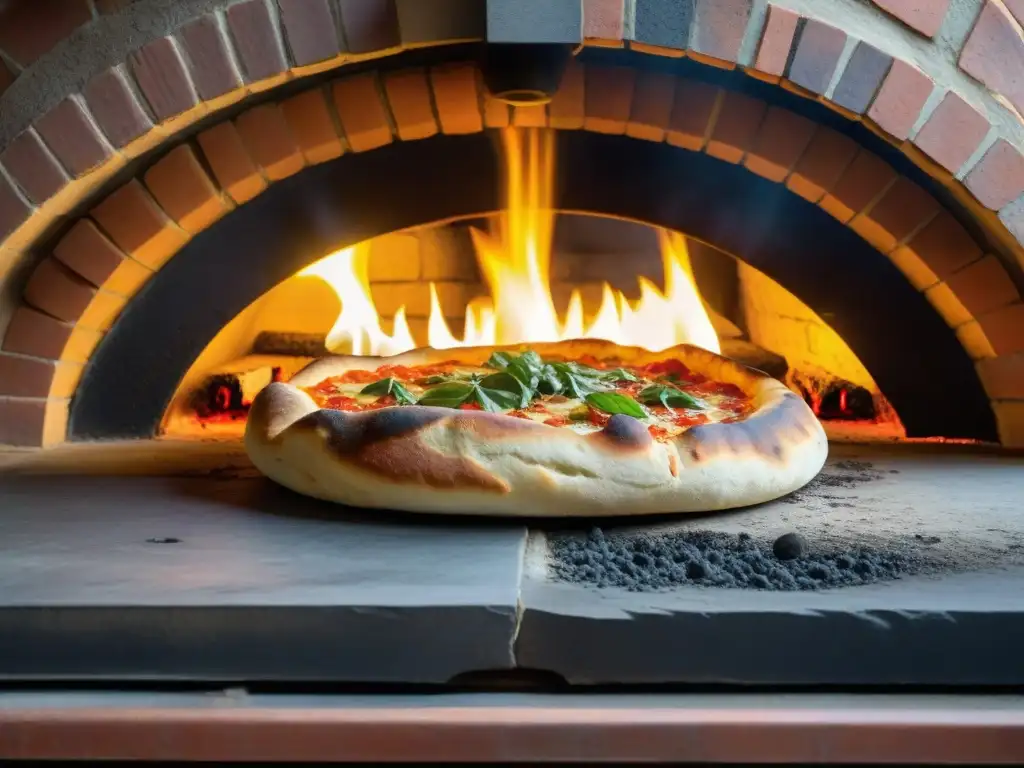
259, 584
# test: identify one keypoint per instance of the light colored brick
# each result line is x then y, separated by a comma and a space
139, 226
311, 125
266, 137
457, 98
361, 112
236, 172
181, 186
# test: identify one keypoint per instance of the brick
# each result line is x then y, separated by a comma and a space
30, 29
87, 252
159, 69
310, 123
81, 344
609, 98
6, 77
863, 180
55, 290
817, 53
947, 304
1002, 377
133, 220
268, 141
534, 21
496, 113
33, 168
31, 332
738, 121
900, 99
14, 209
309, 29
652, 106
827, 156
22, 422
115, 108
73, 137
776, 40
860, 80
1016, 8
394, 258
661, 24
568, 106
1012, 217
213, 69
256, 41
456, 98
441, 20
692, 108
952, 132
944, 245
604, 19
1010, 419
25, 376
983, 286
102, 311
780, 141
370, 25
901, 210
183, 190
408, 93
234, 170
1004, 329
720, 26
532, 116
925, 17
998, 178
972, 338
916, 271
361, 112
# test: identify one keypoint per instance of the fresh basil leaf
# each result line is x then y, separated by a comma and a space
532, 360
549, 383
527, 375
505, 381
496, 400
619, 374
499, 360
670, 397
613, 402
402, 395
450, 395
439, 379
389, 386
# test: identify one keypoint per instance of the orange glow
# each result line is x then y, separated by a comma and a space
515, 263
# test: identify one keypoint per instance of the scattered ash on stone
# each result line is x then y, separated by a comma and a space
642, 563
842, 474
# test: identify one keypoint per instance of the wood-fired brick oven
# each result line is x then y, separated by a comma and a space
164, 165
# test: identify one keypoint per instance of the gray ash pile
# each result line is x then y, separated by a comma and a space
643, 562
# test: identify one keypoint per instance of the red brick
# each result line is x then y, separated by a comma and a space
370, 25
115, 108
213, 71
32, 166
259, 50
73, 137
998, 178
159, 69
457, 98
566, 109
1016, 7
56, 291
776, 40
139, 227
944, 245
652, 106
983, 286
30, 29
310, 122
408, 93
738, 121
530, 116
817, 52
952, 132
780, 142
861, 78
183, 190
900, 99
692, 108
31, 332
603, 19
25, 376
609, 98
1002, 377
14, 210
235, 171
1004, 329
361, 112
719, 28
309, 27
266, 136
863, 180
87, 252
827, 156
22, 422
496, 113
923, 15
994, 53
901, 210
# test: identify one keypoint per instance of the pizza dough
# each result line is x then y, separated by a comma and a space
435, 459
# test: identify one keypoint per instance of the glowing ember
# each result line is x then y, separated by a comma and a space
515, 263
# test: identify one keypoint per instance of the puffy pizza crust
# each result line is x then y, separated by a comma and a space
426, 459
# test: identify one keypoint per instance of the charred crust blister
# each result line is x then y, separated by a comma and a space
626, 432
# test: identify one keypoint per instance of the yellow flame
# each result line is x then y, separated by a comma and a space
516, 266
